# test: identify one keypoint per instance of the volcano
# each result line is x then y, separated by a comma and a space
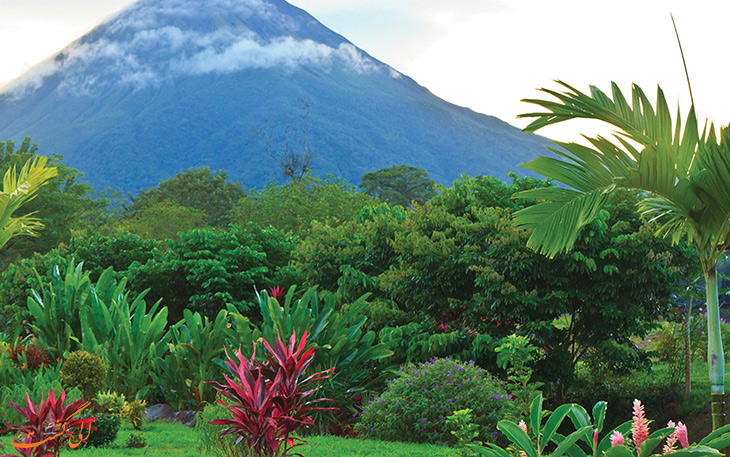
165, 85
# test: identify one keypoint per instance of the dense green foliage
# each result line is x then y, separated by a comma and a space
399, 185
295, 206
207, 269
459, 263
106, 428
415, 405
210, 194
105, 320
384, 285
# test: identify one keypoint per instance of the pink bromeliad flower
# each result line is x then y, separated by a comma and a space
276, 292
671, 444
617, 438
639, 426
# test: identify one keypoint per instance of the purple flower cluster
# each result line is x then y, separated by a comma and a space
418, 403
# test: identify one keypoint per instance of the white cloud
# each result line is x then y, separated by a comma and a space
247, 53
158, 39
356, 59
31, 80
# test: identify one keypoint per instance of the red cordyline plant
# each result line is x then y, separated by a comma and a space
48, 426
268, 400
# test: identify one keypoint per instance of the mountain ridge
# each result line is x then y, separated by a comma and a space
165, 85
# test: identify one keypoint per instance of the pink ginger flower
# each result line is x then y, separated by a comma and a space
523, 426
671, 444
682, 434
639, 426
617, 438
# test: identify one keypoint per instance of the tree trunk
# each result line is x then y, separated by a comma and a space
688, 351
715, 356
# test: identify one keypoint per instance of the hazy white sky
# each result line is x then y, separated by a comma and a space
483, 54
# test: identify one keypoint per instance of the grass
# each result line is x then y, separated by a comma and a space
173, 440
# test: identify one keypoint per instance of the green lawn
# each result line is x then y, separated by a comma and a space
172, 440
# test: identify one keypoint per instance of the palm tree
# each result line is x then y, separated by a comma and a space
682, 176
18, 189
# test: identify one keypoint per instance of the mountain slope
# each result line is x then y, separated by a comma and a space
169, 84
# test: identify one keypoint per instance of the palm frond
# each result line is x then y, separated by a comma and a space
18, 189
557, 223
637, 121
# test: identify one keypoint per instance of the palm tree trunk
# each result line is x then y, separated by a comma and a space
688, 351
715, 356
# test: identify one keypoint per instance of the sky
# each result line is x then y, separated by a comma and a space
483, 54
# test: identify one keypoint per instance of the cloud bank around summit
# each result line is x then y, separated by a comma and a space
156, 40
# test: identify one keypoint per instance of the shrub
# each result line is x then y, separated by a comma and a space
134, 412
85, 371
106, 429
414, 406
110, 402
210, 442
136, 441
669, 345
27, 357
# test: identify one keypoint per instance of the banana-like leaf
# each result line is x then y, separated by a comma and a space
536, 416
514, 433
570, 440
715, 434
552, 424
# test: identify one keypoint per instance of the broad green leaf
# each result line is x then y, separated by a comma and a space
536, 416
552, 424
570, 441
618, 451
514, 433
696, 451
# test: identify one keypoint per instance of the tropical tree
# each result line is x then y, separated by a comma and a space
683, 177
399, 185
18, 189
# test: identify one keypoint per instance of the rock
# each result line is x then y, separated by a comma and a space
186, 417
160, 411
168, 414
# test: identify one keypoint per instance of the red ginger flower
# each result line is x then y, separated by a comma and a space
682, 434
671, 444
640, 426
